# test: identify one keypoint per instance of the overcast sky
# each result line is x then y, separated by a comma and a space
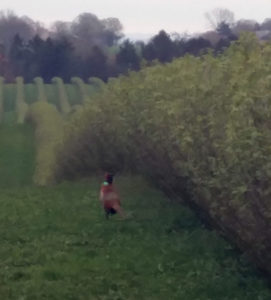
141, 16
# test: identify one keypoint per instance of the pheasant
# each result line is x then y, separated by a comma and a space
109, 197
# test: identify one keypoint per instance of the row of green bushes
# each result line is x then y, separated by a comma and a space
48, 125
76, 93
21, 107
64, 105
41, 90
199, 128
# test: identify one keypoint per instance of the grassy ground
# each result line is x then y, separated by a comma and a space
16, 154
56, 243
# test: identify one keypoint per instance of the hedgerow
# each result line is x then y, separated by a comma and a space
199, 128
64, 105
21, 106
95, 86
48, 135
82, 89
41, 90
97, 82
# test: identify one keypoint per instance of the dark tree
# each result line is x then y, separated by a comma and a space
95, 65
179, 47
127, 58
164, 47
222, 45
53, 59
17, 56
225, 31
196, 46
148, 52
17, 48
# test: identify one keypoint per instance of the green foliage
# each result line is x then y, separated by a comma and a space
200, 128
21, 106
48, 134
97, 82
64, 105
38, 91
82, 89
41, 90
127, 57
32, 94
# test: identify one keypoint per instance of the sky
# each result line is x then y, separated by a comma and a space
140, 17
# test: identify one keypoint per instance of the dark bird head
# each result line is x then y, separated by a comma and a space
109, 178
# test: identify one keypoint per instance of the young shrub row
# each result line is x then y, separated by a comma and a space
64, 105
21, 106
95, 86
66, 95
199, 128
48, 135
41, 90
82, 89
97, 82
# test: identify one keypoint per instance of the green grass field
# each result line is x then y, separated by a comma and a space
56, 243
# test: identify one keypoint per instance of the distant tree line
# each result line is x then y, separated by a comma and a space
92, 47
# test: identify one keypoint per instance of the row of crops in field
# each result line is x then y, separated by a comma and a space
18, 96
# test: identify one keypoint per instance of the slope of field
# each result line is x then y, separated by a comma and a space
56, 243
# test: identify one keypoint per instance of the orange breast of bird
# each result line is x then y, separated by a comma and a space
109, 197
